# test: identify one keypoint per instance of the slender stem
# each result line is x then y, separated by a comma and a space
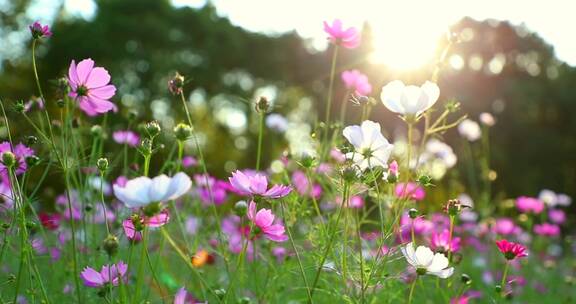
260, 138
503, 282
412, 290
361, 257
450, 237
140, 274
221, 240
331, 240
331, 85
308, 294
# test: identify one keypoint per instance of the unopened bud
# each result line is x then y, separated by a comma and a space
60, 103
466, 279
32, 160
19, 107
182, 131
102, 164
262, 105
153, 129
413, 213
31, 140
110, 244
96, 130
8, 159
241, 208
176, 84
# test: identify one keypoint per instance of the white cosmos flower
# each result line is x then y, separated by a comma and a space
143, 190
470, 130
371, 148
426, 261
409, 100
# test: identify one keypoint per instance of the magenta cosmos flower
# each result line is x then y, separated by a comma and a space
126, 137
256, 184
109, 274
356, 82
348, 38
527, 204
90, 87
441, 242
39, 31
20, 151
511, 250
264, 222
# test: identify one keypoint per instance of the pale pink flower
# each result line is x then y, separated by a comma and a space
109, 274
527, 204
410, 191
300, 182
256, 184
356, 82
505, 226
264, 222
185, 297
557, 216
547, 229
126, 137
90, 87
348, 38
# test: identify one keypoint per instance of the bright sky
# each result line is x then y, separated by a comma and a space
422, 21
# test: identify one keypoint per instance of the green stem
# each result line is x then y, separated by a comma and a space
503, 282
412, 290
331, 240
260, 138
331, 85
140, 274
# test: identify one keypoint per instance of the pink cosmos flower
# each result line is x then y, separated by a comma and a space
300, 181
511, 250
547, 229
505, 226
237, 234
133, 232
441, 242
109, 274
337, 155
20, 151
210, 189
411, 191
189, 161
557, 216
527, 204
348, 38
356, 82
256, 184
126, 137
264, 222
185, 297
89, 86
39, 31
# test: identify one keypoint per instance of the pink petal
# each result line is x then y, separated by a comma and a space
83, 70
98, 77
264, 218
105, 92
73, 76
91, 277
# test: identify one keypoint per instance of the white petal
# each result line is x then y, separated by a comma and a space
159, 188
135, 193
423, 256
432, 91
443, 274
179, 185
354, 135
391, 96
439, 262
408, 252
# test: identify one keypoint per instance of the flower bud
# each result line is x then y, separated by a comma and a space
32, 160
96, 130
60, 103
146, 147
307, 161
220, 293
153, 129
182, 131
240, 208
102, 164
466, 279
453, 207
425, 180
31, 140
110, 244
19, 107
176, 84
349, 174
262, 105
5, 226
62, 84
413, 213
8, 159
